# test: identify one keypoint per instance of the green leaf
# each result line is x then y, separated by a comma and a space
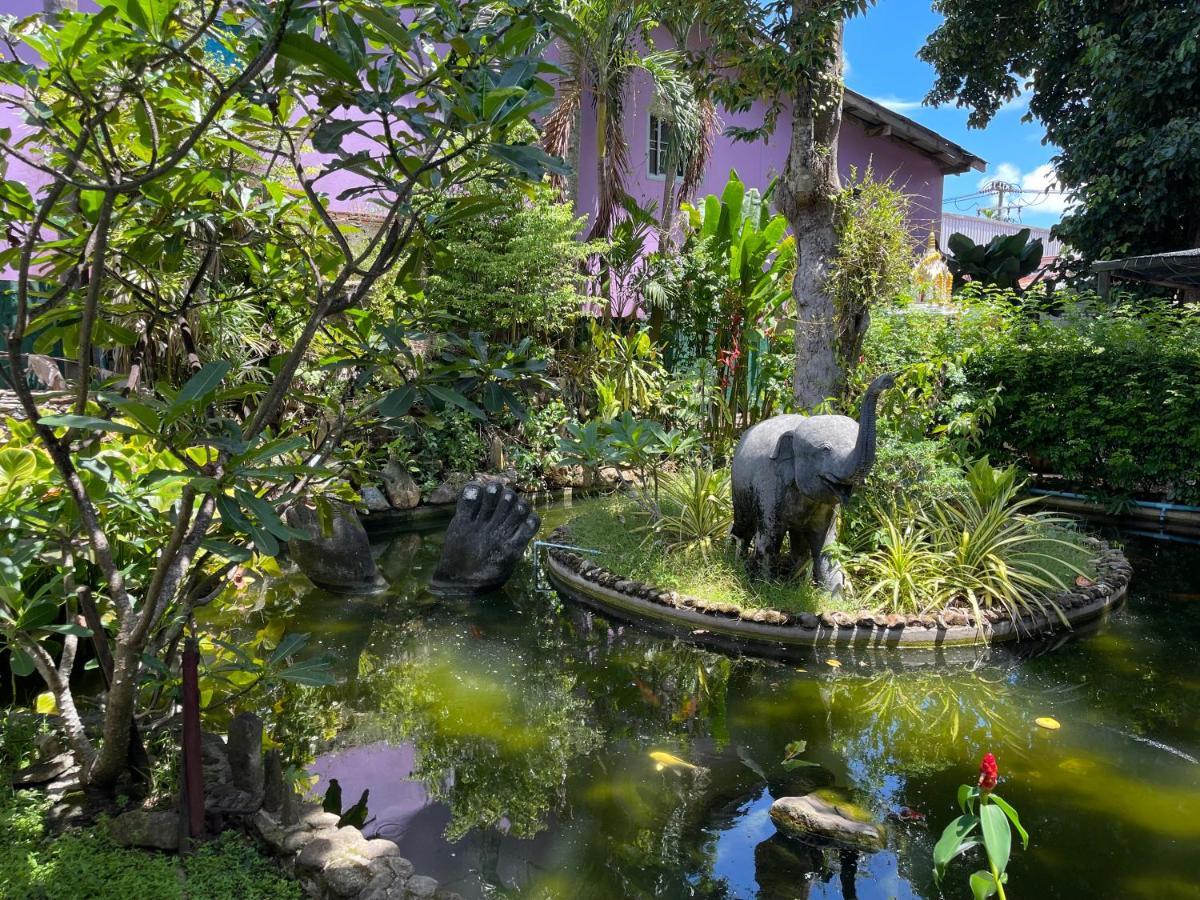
328, 136
1012, 817
966, 793
16, 465
454, 398
20, 662
398, 402
37, 615
203, 383
997, 838
73, 628
301, 48
953, 842
983, 885
288, 646
86, 423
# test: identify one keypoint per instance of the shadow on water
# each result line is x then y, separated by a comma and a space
519, 745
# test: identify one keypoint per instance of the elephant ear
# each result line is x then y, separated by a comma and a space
784, 451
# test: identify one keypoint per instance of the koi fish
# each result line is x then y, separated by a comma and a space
664, 760
647, 694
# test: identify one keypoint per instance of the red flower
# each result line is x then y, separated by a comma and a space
989, 773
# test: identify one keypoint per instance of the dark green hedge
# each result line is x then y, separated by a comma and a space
1111, 402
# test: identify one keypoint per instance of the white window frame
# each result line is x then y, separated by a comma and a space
655, 126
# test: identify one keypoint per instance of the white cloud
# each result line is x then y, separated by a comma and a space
898, 104
1041, 191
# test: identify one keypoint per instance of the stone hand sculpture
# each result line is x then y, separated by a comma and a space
487, 536
790, 473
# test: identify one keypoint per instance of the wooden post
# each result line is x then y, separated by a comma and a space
193, 763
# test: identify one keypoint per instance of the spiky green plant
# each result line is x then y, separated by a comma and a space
903, 572
987, 550
695, 510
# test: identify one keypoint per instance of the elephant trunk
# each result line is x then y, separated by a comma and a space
863, 457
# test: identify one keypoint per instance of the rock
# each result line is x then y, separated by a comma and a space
374, 500
809, 621
955, 617
422, 887
273, 786
825, 816
214, 759
340, 561
156, 829
271, 832
402, 492
448, 490
843, 620
246, 753
316, 819
289, 814
40, 773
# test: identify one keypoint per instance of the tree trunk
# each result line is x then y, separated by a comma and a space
807, 188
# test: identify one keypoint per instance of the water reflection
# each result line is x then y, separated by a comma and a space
514, 745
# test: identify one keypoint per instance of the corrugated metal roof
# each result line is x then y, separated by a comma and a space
981, 230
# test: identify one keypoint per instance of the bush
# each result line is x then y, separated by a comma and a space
1107, 400
983, 550
514, 271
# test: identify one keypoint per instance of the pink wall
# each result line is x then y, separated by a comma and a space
912, 171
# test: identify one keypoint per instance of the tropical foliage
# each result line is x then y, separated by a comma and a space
1003, 261
158, 167
1115, 87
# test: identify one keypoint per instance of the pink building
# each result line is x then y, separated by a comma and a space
916, 158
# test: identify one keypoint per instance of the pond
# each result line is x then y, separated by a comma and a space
519, 745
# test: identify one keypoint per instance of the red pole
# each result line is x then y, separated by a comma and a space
193, 764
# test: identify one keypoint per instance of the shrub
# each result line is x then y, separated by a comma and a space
695, 510
985, 550
873, 257
1107, 400
514, 271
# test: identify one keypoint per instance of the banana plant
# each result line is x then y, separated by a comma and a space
753, 257
1003, 261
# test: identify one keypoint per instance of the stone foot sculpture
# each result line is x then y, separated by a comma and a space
490, 530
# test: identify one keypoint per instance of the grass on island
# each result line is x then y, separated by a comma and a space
615, 527
612, 526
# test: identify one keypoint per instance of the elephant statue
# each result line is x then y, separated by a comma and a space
790, 472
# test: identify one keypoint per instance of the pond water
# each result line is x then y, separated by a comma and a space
507, 744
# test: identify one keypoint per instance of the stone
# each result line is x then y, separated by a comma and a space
955, 617
843, 620
333, 844
374, 500
273, 786
289, 814
314, 818
825, 816
809, 621
422, 887
42, 772
448, 490
245, 748
340, 561
271, 831
154, 829
486, 539
401, 490
214, 759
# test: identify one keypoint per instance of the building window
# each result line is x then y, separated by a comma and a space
660, 138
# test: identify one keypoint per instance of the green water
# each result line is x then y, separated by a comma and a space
507, 745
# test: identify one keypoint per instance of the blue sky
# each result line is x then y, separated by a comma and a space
881, 63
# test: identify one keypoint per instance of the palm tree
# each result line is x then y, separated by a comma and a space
600, 53
690, 139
